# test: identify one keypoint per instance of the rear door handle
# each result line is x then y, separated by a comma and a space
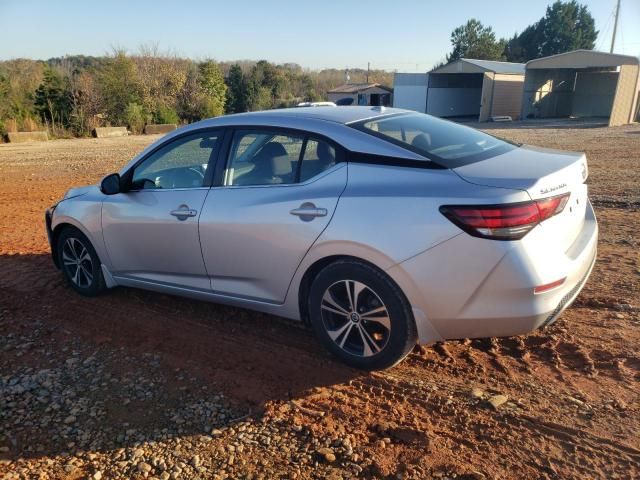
182, 213
308, 211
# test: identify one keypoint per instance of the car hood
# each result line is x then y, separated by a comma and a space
79, 191
541, 172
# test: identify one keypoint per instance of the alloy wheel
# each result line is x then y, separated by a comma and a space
355, 318
77, 262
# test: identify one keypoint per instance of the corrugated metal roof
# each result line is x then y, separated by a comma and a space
480, 66
357, 87
582, 59
498, 67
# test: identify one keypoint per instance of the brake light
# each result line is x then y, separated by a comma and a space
504, 222
552, 206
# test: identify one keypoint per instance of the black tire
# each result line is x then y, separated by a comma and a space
90, 283
394, 343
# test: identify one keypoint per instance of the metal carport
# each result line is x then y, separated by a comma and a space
582, 83
478, 89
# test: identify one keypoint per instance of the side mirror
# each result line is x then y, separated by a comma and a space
110, 185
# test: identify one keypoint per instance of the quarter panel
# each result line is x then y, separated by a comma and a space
387, 215
395, 210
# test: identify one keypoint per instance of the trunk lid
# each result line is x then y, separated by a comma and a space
542, 173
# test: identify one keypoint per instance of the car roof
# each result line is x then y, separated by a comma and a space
327, 121
340, 114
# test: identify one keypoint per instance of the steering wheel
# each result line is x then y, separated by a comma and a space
183, 178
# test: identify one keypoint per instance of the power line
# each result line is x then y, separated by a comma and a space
603, 34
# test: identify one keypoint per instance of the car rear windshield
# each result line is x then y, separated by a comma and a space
446, 143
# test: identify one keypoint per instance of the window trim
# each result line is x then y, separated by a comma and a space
225, 153
207, 182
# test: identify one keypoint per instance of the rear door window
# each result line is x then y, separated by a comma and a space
318, 157
263, 158
275, 158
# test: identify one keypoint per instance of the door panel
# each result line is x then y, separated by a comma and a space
147, 239
252, 243
151, 232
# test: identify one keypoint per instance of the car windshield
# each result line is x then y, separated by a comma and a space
448, 143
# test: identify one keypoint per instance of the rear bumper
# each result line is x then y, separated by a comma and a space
471, 288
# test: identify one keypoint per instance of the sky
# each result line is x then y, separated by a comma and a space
404, 35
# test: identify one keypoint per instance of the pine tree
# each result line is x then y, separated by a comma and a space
213, 88
236, 91
53, 98
474, 40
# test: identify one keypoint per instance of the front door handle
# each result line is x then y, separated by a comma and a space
308, 211
183, 212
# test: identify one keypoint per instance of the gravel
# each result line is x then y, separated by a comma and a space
103, 413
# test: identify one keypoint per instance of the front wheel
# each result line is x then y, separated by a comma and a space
361, 315
80, 263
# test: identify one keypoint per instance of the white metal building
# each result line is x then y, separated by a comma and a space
583, 83
410, 91
466, 88
372, 94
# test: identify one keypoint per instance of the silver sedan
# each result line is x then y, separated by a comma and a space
380, 227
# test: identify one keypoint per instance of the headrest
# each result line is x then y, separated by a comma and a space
281, 165
274, 159
422, 141
325, 152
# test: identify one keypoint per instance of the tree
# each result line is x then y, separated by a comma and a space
213, 88
159, 77
118, 86
565, 27
135, 117
87, 103
474, 40
121, 89
23, 77
236, 91
188, 100
264, 86
53, 98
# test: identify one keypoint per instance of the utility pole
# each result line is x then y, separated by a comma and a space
368, 67
615, 27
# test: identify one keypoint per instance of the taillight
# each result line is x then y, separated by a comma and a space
551, 206
504, 222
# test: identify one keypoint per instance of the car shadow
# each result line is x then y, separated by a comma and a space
129, 366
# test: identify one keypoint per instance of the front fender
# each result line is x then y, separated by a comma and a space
83, 213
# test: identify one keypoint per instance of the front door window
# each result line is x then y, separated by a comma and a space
182, 163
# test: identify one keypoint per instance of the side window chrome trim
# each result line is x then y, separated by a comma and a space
157, 190
313, 179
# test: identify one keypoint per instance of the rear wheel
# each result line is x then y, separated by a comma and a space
361, 316
79, 262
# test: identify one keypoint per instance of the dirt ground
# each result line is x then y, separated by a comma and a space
135, 384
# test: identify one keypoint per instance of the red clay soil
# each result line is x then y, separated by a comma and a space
573, 406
